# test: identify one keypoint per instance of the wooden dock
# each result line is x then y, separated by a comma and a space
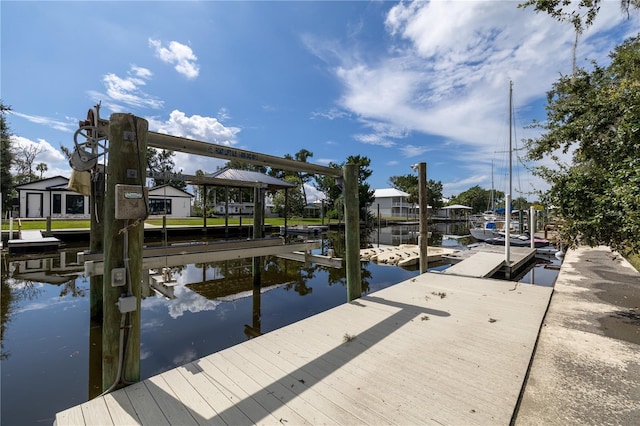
480, 265
32, 240
436, 349
467, 263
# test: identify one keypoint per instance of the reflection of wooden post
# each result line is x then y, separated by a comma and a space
204, 209
127, 164
96, 210
423, 238
352, 231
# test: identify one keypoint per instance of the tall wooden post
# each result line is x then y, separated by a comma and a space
127, 165
96, 233
423, 238
352, 231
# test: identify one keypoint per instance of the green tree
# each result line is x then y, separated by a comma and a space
409, 184
595, 115
333, 193
6, 161
295, 199
23, 157
42, 167
161, 161
479, 199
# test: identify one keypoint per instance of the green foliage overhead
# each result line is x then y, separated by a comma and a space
595, 116
6, 159
580, 13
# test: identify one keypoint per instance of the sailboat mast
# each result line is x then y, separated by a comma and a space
510, 138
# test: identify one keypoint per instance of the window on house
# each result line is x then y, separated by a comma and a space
57, 204
160, 206
75, 204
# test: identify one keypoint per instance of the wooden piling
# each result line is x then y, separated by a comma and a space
127, 165
352, 231
423, 239
96, 244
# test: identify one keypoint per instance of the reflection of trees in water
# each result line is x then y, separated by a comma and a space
11, 293
71, 288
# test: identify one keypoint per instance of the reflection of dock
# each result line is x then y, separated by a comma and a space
159, 257
359, 363
484, 261
32, 240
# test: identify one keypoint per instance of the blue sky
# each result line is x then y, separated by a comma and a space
400, 83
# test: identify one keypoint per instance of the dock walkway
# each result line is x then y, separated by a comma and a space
32, 240
435, 349
586, 369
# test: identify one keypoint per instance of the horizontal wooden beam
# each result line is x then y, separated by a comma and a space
192, 146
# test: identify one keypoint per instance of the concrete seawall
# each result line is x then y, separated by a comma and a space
586, 368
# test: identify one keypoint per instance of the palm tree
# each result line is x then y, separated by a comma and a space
42, 167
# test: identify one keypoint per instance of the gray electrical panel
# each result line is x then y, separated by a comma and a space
131, 201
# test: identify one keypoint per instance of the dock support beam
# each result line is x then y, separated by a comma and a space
127, 165
352, 231
423, 239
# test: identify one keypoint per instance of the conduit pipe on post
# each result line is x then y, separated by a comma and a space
352, 231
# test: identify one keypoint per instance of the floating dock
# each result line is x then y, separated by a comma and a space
480, 265
403, 255
32, 240
435, 349
467, 264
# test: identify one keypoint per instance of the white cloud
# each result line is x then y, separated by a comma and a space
411, 151
447, 64
177, 54
55, 160
202, 128
126, 91
198, 127
331, 114
69, 125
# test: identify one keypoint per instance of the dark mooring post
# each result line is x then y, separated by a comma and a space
123, 239
258, 228
352, 231
423, 239
96, 233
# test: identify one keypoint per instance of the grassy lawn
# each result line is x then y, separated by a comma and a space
190, 221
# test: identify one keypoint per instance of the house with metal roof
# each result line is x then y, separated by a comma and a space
391, 202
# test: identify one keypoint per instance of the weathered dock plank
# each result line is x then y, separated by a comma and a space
436, 349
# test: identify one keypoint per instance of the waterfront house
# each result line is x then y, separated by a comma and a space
57, 197
391, 202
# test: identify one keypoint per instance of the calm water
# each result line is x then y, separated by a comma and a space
45, 320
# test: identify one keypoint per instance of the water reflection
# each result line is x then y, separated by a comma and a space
45, 336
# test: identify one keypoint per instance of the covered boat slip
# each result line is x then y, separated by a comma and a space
435, 349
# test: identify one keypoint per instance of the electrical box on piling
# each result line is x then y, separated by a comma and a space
131, 201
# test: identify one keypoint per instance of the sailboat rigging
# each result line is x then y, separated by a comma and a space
491, 228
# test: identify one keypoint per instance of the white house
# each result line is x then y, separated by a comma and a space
51, 197
392, 202
170, 201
